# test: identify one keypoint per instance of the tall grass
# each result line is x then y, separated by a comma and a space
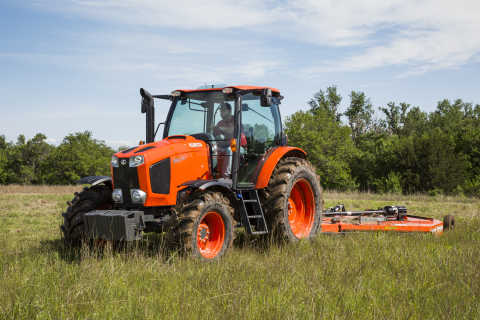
39, 189
357, 275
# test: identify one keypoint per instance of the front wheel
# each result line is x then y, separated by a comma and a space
203, 226
90, 199
292, 201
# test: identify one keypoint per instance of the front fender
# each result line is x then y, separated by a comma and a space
269, 161
93, 181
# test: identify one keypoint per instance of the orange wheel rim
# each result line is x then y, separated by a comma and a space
301, 208
210, 235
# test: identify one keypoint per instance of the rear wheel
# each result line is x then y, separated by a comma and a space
90, 199
292, 201
203, 225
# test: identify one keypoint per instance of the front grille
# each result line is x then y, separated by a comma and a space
160, 177
126, 178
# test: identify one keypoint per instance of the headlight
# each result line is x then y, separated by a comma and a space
117, 195
114, 161
136, 161
138, 196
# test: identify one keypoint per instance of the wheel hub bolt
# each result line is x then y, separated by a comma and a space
204, 233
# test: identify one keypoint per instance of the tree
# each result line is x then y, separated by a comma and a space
78, 156
415, 122
327, 102
327, 144
23, 159
441, 167
395, 116
359, 114
3, 142
450, 117
260, 131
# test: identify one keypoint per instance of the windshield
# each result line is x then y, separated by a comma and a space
197, 112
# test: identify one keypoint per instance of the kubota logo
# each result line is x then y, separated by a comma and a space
195, 145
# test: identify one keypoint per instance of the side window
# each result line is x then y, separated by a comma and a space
262, 129
260, 123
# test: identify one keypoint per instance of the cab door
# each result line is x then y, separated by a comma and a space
262, 128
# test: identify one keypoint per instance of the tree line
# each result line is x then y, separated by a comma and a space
402, 150
398, 149
37, 162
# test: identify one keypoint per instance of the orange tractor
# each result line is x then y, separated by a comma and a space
223, 163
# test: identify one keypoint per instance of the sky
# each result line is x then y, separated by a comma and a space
71, 66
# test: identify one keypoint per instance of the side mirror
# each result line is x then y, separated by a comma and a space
284, 140
266, 97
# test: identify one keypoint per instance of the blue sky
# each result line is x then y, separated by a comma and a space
70, 66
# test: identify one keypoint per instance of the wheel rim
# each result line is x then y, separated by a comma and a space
210, 235
301, 209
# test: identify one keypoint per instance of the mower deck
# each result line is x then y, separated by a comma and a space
410, 224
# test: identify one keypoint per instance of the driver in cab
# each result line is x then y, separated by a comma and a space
225, 127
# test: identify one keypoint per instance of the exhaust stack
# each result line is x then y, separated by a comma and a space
147, 107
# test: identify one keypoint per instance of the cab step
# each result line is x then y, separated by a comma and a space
251, 212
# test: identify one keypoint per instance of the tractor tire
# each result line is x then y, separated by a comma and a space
90, 199
292, 201
448, 222
203, 225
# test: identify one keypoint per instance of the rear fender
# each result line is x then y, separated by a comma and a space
269, 161
93, 181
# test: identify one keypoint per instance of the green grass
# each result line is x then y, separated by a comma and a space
358, 275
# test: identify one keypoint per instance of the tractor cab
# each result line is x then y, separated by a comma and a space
234, 122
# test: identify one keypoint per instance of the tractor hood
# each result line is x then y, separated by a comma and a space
166, 165
169, 147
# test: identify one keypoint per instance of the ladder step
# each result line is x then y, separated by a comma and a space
252, 218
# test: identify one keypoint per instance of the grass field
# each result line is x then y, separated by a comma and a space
358, 275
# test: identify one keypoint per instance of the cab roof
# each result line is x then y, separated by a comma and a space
234, 87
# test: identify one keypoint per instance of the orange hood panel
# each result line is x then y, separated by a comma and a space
189, 160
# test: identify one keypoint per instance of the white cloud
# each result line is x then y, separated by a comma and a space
119, 143
422, 35
51, 141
